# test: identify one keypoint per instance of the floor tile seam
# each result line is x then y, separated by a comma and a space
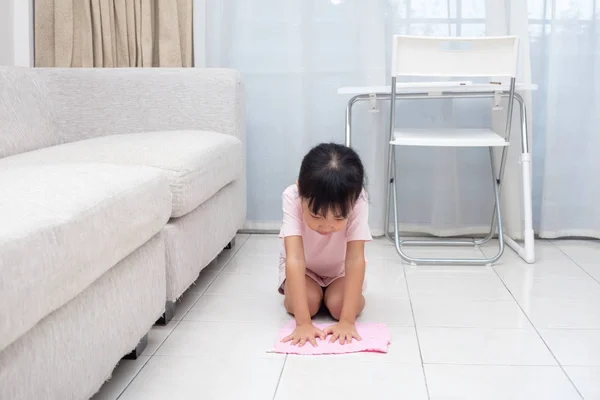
215, 321
582, 365
235, 251
361, 362
570, 329
280, 376
412, 311
494, 365
487, 328
542, 339
134, 376
240, 296
177, 322
265, 356
574, 261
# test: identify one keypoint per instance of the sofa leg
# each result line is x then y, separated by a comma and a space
230, 244
168, 314
138, 349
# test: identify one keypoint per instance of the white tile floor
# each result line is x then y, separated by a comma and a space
514, 331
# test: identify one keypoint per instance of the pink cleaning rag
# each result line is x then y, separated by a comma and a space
375, 339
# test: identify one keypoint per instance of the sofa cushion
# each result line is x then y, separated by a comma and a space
26, 116
64, 226
197, 163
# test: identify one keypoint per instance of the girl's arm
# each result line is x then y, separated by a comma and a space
295, 269
355, 276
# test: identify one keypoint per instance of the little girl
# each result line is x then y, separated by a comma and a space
325, 227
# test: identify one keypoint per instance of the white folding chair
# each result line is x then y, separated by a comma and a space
489, 57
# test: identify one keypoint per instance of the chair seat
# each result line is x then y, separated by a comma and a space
448, 138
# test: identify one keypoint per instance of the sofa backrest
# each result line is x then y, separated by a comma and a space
92, 102
27, 119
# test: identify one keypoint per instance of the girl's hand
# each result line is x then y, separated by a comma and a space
305, 333
344, 331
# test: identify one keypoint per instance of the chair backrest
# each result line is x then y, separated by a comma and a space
455, 56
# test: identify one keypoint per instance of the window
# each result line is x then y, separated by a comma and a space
439, 17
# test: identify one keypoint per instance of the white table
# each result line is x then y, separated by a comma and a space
460, 89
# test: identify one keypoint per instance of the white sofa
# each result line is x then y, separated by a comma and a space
117, 187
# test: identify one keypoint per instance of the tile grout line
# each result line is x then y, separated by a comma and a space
526, 316
415, 322
132, 378
540, 336
202, 292
412, 311
235, 252
179, 321
498, 365
574, 262
280, 376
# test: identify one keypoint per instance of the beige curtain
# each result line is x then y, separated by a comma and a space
113, 33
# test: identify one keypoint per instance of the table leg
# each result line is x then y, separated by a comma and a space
349, 106
527, 251
349, 123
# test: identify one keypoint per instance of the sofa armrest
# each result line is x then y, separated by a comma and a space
97, 102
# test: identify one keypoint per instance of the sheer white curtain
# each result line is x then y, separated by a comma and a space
565, 41
294, 54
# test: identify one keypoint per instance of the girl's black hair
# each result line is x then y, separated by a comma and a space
331, 179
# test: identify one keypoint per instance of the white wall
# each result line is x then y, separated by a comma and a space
16, 32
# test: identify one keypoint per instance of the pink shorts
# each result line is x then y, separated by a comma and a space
323, 281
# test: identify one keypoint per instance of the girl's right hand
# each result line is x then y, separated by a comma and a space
305, 333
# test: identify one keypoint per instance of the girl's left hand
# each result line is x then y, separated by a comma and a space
344, 331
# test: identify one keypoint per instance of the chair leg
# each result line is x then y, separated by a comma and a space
499, 176
391, 177
490, 235
497, 208
496, 222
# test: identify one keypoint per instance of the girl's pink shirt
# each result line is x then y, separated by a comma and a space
324, 254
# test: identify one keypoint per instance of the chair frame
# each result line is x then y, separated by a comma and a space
497, 175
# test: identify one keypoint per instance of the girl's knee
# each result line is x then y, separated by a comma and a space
334, 304
314, 293
314, 303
